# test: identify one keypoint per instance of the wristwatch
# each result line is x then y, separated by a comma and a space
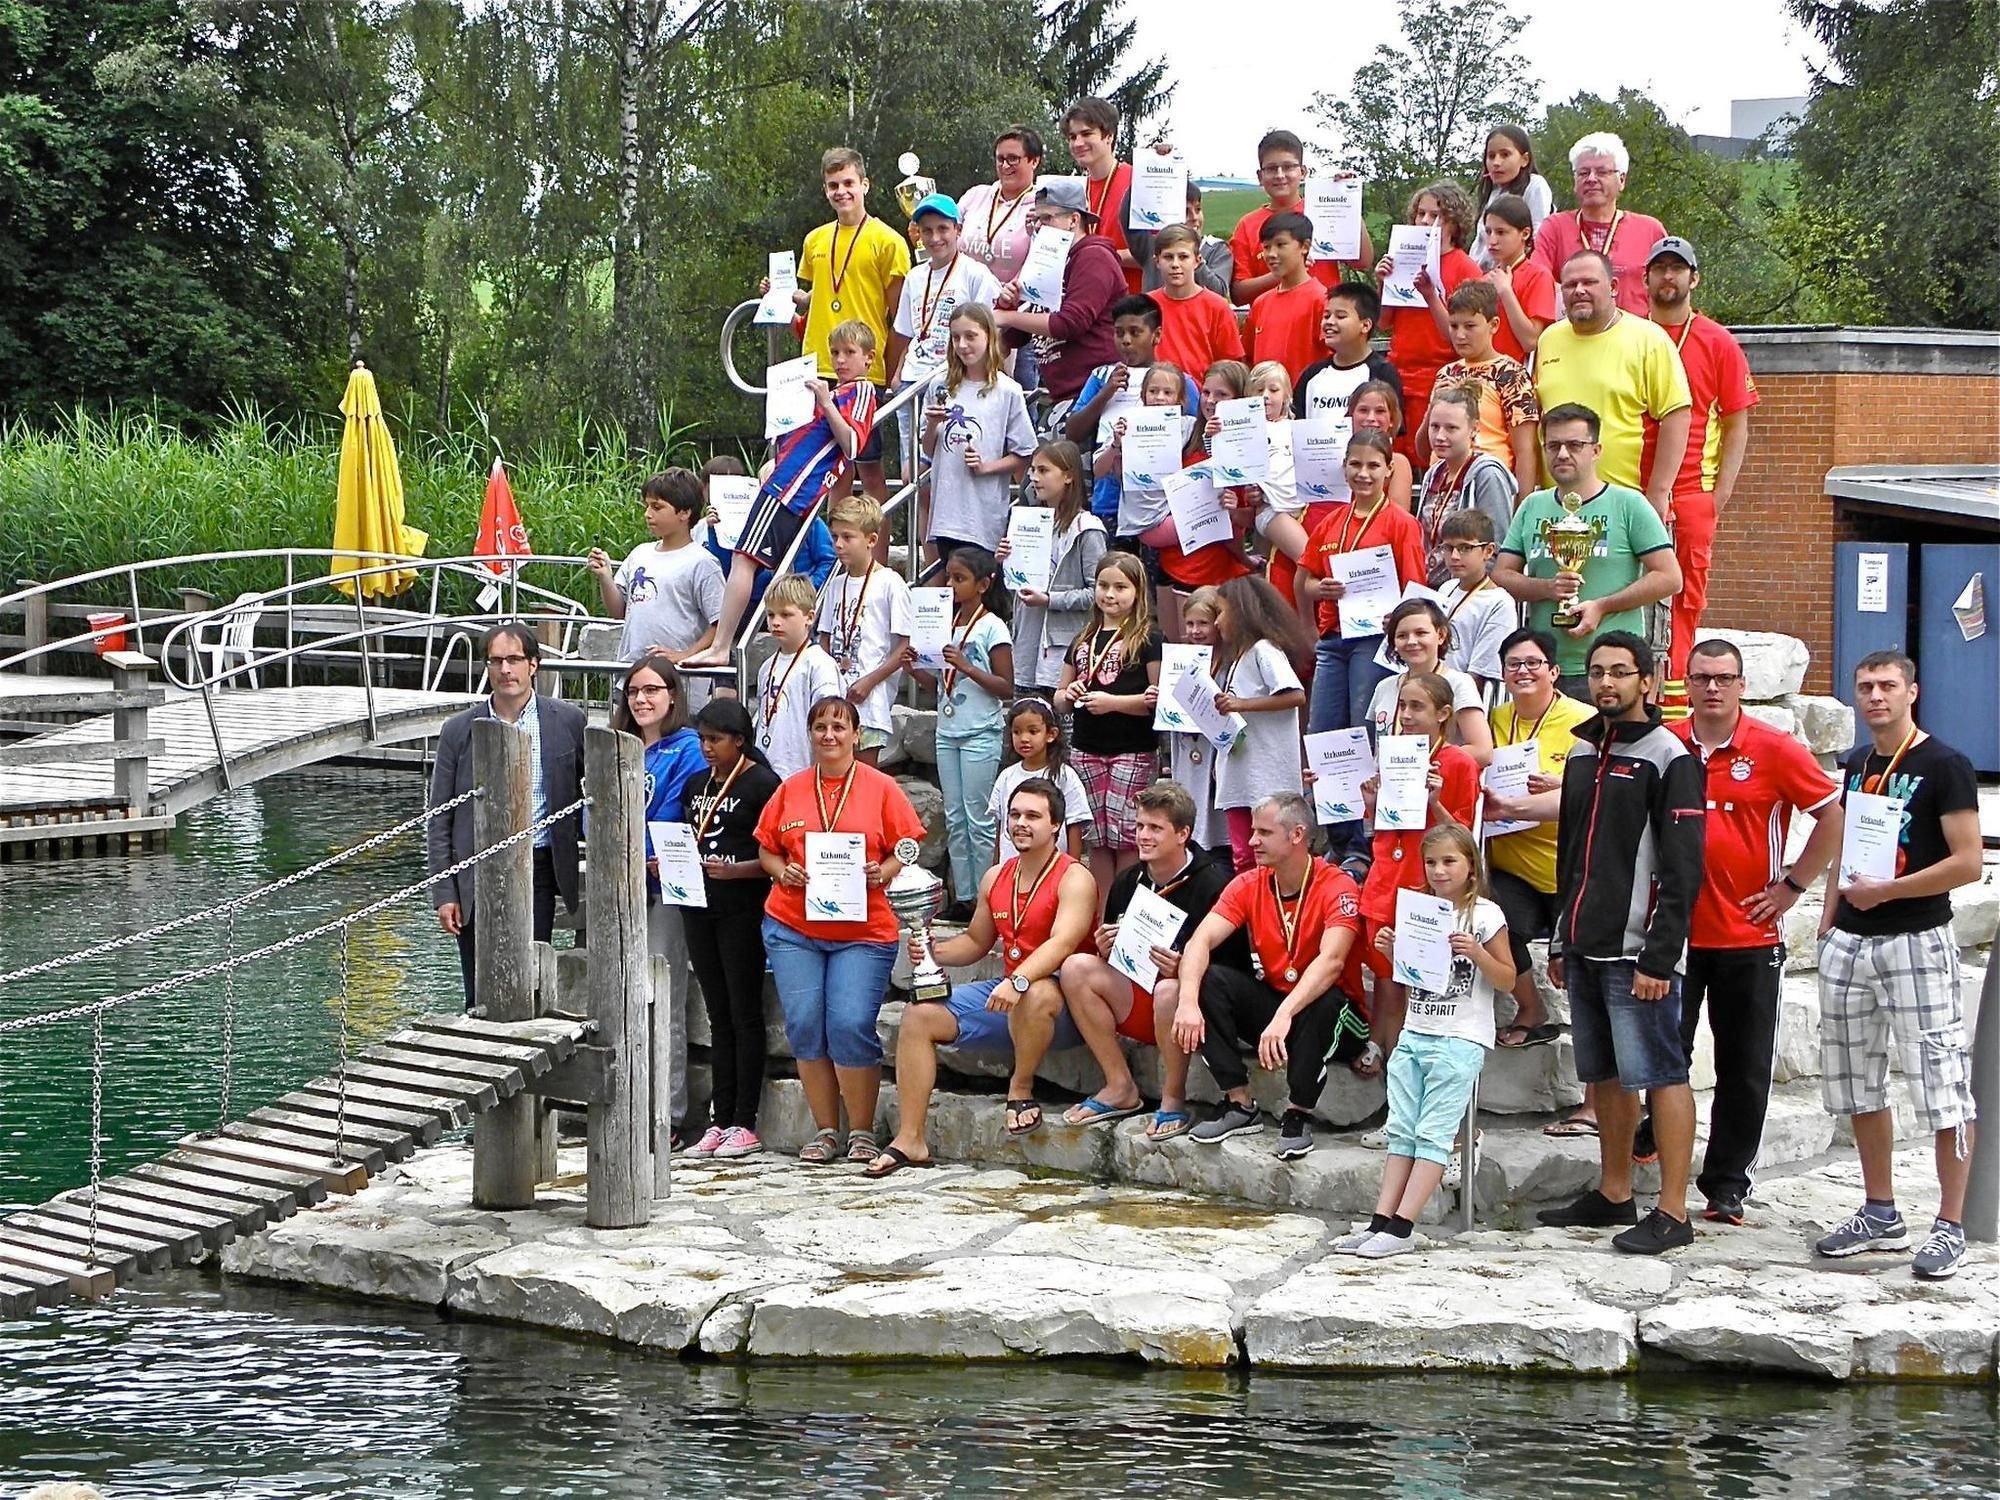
1020, 983
1791, 884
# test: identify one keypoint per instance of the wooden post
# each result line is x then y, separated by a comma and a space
503, 948
128, 726
547, 1142
669, 972
34, 629
621, 1168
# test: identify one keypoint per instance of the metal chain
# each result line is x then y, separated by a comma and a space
297, 939
249, 898
228, 1030
340, 1090
96, 1123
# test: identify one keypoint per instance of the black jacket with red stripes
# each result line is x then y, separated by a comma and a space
1629, 846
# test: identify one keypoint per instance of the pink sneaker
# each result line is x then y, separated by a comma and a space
737, 1141
710, 1142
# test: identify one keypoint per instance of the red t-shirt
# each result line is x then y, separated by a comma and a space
1399, 856
1417, 346
1285, 326
1535, 290
1250, 901
1626, 242
1197, 331
1754, 783
875, 808
1109, 200
1246, 248
1038, 912
1721, 384
1390, 526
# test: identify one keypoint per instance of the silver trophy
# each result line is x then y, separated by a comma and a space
915, 896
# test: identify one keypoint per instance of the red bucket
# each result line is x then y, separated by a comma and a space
115, 639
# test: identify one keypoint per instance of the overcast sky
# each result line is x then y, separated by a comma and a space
1691, 56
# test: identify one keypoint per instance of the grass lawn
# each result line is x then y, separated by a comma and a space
1221, 208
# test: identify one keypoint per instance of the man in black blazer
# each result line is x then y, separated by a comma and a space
513, 656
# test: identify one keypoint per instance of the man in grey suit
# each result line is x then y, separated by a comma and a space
555, 730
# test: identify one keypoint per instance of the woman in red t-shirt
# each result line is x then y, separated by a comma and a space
1418, 347
832, 970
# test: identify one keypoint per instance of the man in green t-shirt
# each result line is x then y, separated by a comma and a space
1632, 565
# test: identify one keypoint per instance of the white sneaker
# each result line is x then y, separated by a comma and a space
710, 1142
1376, 1139
1348, 1244
1382, 1246
738, 1141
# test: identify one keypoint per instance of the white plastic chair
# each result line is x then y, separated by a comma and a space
239, 637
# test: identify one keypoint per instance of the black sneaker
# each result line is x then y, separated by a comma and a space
1295, 1134
1231, 1119
1590, 1210
1658, 1231
1645, 1150
1728, 1209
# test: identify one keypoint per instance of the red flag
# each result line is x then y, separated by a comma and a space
501, 533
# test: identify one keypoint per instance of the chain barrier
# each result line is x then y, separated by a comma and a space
96, 1123
247, 899
228, 1030
295, 940
340, 1089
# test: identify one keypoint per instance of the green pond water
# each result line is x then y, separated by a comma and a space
186, 1386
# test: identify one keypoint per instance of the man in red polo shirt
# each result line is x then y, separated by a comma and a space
1757, 777
1723, 391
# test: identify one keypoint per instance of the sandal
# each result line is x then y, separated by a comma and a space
1168, 1123
1016, 1108
862, 1145
821, 1149
1528, 1036
1575, 1125
891, 1160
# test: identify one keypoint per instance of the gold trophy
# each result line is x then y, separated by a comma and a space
1570, 542
913, 189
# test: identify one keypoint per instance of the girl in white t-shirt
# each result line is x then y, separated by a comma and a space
1420, 634
1257, 639
1443, 1046
1035, 738
1190, 757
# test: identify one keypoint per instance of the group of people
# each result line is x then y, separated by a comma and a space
1646, 851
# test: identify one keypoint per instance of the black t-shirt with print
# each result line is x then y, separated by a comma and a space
730, 830
1115, 734
1932, 779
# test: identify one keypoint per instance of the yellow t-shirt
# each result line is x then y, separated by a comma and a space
1625, 374
1531, 853
863, 263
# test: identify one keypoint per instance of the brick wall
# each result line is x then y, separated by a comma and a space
1774, 558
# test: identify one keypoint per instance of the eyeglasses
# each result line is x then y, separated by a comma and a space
1525, 664
1713, 679
1459, 548
1613, 674
1560, 445
1012, 160
646, 692
1281, 169
508, 661
1596, 171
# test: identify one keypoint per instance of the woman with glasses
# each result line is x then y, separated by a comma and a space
993, 219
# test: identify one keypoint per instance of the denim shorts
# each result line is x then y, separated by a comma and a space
831, 993
983, 1030
1615, 1037
1430, 1079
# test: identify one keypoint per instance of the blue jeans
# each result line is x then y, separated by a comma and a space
1345, 677
967, 770
831, 993
1617, 1037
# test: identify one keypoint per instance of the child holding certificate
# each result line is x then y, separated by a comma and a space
1444, 1043
1377, 406
1046, 621
978, 436
1190, 757
1423, 707
1257, 640
1420, 635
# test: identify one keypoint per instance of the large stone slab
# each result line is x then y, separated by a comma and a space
1433, 1310
1826, 725
1336, 1177
375, 1251
1000, 1307
1152, 1232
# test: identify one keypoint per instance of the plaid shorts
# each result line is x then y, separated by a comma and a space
1113, 783
1902, 988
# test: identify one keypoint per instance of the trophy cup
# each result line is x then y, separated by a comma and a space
915, 896
913, 189
1570, 542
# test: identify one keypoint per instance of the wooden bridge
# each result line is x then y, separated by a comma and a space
398, 1094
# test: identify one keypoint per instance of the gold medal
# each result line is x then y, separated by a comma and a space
836, 304
1291, 976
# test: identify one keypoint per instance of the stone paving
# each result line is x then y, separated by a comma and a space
766, 1259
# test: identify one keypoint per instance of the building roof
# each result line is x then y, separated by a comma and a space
1948, 494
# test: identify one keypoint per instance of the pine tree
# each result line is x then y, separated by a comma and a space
1086, 42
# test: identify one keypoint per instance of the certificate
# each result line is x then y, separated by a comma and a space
1340, 760
681, 883
1319, 457
1120, 404
1159, 191
1334, 206
930, 625
1372, 589
777, 306
836, 877
1424, 925
788, 405
1870, 834
1192, 500
1507, 774
1176, 660
1041, 278
1413, 248
1402, 801
1195, 694
1240, 453
1031, 542
1153, 446
730, 497
1151, 921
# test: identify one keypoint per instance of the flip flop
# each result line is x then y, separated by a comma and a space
1571, 1127
1097, 1112
1530, 1036
1019, 1107
891, 1160
1175, 1122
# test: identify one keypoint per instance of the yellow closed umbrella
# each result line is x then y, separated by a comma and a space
368, 509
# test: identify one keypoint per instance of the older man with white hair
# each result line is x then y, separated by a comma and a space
1599, 162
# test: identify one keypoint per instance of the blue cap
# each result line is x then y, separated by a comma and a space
936, 203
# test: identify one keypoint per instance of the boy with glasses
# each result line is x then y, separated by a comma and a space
1479, 612
1281, 172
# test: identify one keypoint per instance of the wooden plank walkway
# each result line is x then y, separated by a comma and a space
401, 1093
264, 730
